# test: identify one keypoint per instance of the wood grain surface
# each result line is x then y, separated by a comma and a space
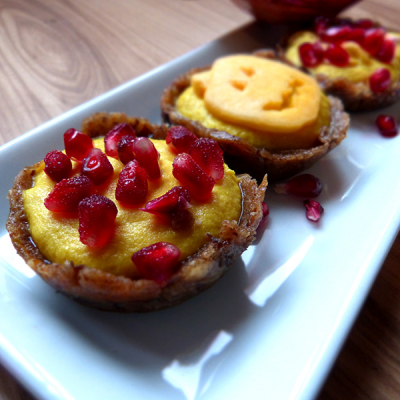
57, 54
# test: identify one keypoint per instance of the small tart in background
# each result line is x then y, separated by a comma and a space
357, 61
117, 289
268, 117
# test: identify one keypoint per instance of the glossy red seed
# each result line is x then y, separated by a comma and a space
314, 210
265, 211
337, 55
357, 35
387, 125
157, 262
132, 185
304, 185
380, 80
208, 155
192, 177
77, 145
387, 51
336, 34
180, 139
171, 201
364, 23
148, 156
97, 167
96, 220
57, 165
125, 149
373, 40
311, 54
67, 194
114, 136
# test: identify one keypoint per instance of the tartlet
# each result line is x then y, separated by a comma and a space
244, 157
350, 82
106, 291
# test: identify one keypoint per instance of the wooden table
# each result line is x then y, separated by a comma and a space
55, 55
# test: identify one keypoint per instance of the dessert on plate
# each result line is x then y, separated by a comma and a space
268, 117
125, 220
357, 61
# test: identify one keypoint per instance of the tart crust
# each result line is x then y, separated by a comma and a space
358, 96
245, 158
105, 291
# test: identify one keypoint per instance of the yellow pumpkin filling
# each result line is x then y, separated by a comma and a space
264, 102
361, 64
57, 235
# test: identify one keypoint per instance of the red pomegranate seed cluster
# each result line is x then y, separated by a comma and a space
113, 137
198, 164
305, 186
333, 33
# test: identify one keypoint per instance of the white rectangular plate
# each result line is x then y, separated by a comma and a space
271, 328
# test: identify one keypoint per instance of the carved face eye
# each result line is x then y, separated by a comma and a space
260, 94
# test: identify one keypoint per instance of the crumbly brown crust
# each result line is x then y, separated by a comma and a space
245, 158
117, 293
358, 96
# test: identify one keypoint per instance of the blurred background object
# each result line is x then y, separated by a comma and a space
286, 11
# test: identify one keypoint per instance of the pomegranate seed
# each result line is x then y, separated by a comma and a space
132, 184
77, 145
337, 55
336, 34
125, 149
373, 40
265, 211
380, 80
387, 51
193, 178
311, 54
314, 210
157, 261
357, 35
57, 165
174, 199
180, 139
305, 185
67, 194
147, 155
114, 136
96, 220
387, 125
97, 167
208, 155
364, 23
